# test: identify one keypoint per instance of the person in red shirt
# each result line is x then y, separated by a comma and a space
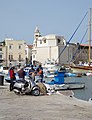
12, 77
40, 73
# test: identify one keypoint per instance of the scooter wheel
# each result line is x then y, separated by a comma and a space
36, 92
17, 93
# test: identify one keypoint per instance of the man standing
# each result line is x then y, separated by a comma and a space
40, 72
12, 77
21, 74
32, 72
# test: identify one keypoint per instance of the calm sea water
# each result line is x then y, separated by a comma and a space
83, 94
86, 93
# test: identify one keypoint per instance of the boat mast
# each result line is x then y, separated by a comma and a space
89, 35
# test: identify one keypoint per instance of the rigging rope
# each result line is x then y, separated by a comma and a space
72, 36
79, 43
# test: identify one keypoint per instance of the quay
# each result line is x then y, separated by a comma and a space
48, 107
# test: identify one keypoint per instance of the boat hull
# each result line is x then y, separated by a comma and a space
65, 86
81, 69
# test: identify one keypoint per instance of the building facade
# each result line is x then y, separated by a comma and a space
14, 52
50, 47
1, 53
82, 54
28, 51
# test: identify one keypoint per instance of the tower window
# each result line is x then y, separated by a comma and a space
58, 40
19, 57
40, 41
33, 56
19, 46
44, 41
10, 57
0, 56
37, 35
10, 46
0, 49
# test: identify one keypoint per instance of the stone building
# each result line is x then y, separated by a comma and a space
82, 54
50, 47
28, 51
1, 53
14, 52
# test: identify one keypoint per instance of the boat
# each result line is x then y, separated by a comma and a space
50, 66
49, 75
68, 74
88, 67
88, 74
58, 83
65, 86
81, 69
4, 70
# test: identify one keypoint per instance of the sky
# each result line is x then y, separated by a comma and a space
19, 18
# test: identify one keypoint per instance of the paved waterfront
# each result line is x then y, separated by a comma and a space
51, 107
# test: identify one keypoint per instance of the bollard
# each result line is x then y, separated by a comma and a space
1, 80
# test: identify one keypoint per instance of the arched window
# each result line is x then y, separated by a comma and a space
40, 41
58, 40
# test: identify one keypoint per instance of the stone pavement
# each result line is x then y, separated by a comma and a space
48, 107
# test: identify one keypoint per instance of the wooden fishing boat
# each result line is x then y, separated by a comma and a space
81, 69
85, 68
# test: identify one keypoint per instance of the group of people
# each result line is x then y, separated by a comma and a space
36, 72
21, 73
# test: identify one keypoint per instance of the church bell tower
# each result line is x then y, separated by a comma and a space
36, 35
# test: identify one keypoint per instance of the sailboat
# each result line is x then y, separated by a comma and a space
81, 69
85, 68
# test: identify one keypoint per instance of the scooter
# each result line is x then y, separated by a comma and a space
26, 87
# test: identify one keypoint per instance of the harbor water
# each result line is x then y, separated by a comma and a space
83, 94
86, 93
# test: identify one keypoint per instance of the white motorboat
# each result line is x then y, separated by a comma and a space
50, 66
89, 73
58, 83
65, 86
